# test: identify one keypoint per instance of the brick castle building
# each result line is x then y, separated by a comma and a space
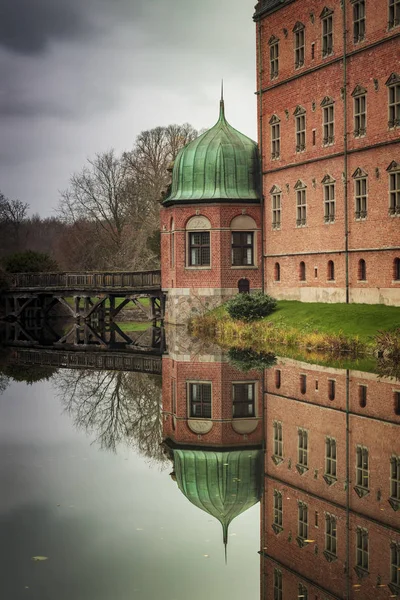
313, 212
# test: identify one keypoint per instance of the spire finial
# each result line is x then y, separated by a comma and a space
221, 102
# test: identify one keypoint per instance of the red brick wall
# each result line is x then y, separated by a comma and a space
307, 86
220, 274
221, 376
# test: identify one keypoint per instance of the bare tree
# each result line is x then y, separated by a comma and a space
118, 407
13, 213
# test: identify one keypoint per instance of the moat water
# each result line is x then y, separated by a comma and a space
94, 506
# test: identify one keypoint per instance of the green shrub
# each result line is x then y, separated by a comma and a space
250, 360
248, 307
29, 262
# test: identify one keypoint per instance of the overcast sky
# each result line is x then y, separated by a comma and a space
82, 76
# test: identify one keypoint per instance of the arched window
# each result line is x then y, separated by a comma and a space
362, 395
198, 242
278, 379
277, 272
243, 237
396, 269
362, 270
302, 271
331, 270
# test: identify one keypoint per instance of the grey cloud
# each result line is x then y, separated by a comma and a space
27, 26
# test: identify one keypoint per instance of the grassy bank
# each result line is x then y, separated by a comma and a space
352, 330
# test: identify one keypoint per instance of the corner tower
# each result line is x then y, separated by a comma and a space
211, 222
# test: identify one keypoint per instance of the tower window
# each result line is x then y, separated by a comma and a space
394, 13
200, 400
278, 380
303, 383
299, 42
362, 270
362, 395
242, 248
358, 21
243, 400
331, 389
327, 34
274, 58
199, 249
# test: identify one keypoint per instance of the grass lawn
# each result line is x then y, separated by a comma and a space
143, 302
132, 326
362, 320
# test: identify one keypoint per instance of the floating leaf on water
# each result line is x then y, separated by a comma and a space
40, 558
139, 529
206, 555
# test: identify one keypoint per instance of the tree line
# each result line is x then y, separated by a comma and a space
108, 217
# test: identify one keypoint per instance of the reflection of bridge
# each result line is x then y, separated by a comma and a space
92, 293
73, 359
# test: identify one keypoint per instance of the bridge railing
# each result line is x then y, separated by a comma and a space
88, 280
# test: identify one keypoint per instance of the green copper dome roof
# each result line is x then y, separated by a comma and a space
221, 164
223, 484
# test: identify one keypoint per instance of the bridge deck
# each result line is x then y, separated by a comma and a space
116, 283
74, 359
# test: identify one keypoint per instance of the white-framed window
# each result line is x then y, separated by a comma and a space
275, 124
301, 204
327, 31
394, 188
330, 536
395, 478
394, 13
274, 57
199, 399
299, 44
276, 199
277, 584
278, 512
302, 521
328, 121
278, 439
198, 242
362, 471
302, 449
393, 85
300, 120
330, 460
362, 549
358, 20
395, 568
360, 194
360, 111
243, 399
328, 184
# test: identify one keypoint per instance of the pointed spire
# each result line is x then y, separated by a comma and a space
225, 534
221, 102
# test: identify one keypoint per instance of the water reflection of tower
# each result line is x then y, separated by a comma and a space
212, 428
330, 517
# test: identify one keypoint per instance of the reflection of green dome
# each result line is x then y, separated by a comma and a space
221, 164
223, 484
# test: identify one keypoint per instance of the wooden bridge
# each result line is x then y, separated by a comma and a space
93, 293
108, 361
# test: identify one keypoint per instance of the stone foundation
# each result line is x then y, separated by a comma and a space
184, 304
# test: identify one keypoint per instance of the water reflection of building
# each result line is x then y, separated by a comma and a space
212, 428
330, 517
